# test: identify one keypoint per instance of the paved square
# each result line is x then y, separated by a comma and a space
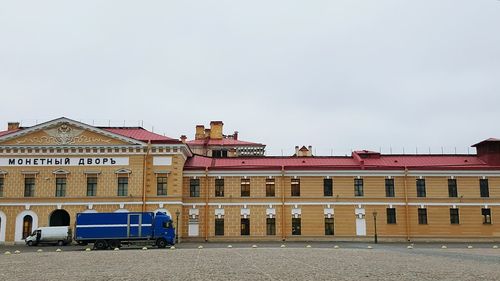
268, 262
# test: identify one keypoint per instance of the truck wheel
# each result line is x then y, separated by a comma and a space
60, 243
101, 245
30, 243
114, 244
161, 243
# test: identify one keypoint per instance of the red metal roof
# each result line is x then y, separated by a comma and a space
222, 142
3, 133
385, 162
486, 140
140, 134
136, 133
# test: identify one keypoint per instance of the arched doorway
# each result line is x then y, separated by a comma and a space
27, 226
59, 218
20, 223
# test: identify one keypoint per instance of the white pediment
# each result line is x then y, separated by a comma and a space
60, 172
64, 131
123, 171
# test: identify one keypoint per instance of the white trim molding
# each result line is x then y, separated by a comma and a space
342, 173
3, 224
123, 171
60, 172
18, 236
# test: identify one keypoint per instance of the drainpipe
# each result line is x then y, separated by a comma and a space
283, 236
206, 204
406, 205
144, 176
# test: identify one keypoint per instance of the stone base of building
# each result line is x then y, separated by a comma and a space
365, 239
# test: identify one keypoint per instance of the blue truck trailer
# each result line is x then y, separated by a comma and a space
111, 230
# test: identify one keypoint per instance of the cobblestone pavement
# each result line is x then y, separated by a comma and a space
351, 261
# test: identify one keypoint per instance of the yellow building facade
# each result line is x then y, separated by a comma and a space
52, 171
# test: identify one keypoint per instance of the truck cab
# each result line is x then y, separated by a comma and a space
163, 229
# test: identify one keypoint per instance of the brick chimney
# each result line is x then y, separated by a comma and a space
200, 132
183, 138
11, 126
216, 128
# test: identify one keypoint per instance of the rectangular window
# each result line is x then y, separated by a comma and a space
60, 187
358, 187
245, 226
452, 188
421, 188
422, 216
454, 217
484, 188
161, 186
245, 187
271, 226
29, 187
194, 187
329, 226
219, 187
486, 215
296, 225
122, 186
327, 187
270, 186
391, 215
389, 188
91, 186
295, 187
219, 153
219, 227
1, 186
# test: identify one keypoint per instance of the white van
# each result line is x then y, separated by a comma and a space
60, 235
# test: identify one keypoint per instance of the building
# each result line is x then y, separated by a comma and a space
51, 171
213, 143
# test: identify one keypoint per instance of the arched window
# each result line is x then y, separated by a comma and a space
27, 226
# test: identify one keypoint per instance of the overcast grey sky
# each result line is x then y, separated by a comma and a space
340, 75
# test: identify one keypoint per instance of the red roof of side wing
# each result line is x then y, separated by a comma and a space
389, 162
426, 161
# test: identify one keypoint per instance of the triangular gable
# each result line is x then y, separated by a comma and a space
123, 171
64, 131
60, 172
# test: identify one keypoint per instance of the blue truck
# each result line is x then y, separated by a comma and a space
111, 230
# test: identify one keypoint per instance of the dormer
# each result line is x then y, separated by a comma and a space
303, 151
489, 150
367, 154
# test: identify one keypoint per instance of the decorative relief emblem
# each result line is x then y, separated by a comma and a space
64, 135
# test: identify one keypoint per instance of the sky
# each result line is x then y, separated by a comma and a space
338, 75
